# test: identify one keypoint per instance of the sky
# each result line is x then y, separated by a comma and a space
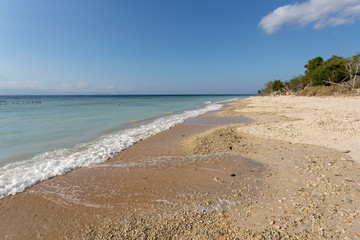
167, 46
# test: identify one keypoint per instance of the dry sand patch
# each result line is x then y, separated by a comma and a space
330, 121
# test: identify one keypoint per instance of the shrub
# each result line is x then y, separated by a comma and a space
324, 91
273, 86
296, 83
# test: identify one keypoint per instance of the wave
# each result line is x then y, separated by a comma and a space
16, 177
141, 120
228, 100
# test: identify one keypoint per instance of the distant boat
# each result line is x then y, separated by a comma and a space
3, 102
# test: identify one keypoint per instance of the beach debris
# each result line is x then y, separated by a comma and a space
233, 175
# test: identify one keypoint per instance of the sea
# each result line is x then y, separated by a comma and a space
45, 136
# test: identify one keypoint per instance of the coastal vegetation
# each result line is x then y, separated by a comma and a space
336, 75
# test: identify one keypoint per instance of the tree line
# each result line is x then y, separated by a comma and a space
336, 70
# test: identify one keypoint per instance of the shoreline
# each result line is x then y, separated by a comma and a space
205, 177
20, 175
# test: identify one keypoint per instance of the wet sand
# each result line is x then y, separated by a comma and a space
204, 178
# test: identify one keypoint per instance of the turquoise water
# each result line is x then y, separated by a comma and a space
44, 136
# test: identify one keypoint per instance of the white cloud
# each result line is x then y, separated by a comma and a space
36, 85
84, 86
320, 12
79, 87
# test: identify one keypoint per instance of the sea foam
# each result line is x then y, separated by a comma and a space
16, 177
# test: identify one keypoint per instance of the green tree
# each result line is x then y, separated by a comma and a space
297, 83
318, 72
313, 64
277, 85
272, 86
309, 78
331, 71
336, 71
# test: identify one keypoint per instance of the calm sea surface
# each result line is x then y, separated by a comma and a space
44, 136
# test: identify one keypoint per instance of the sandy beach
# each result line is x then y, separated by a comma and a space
332, 122
260, 168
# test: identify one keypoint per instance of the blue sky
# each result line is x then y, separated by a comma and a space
165, 46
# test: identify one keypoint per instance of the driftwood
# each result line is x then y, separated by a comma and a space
352, 83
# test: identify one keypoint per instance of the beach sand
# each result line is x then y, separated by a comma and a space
289, 174
324, 121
